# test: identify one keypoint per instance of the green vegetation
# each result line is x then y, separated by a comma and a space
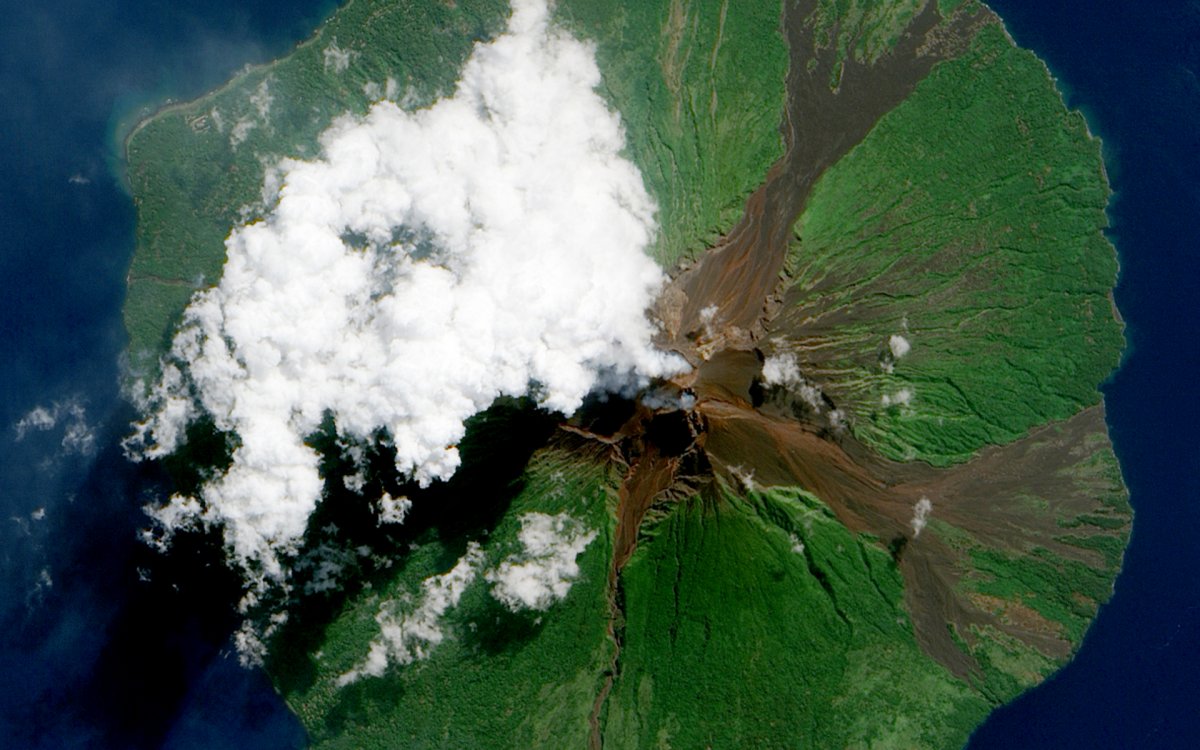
701, 89
702, 126
746, 620
499, 679
1065, 586
197, 169
862, 31
969, 221
752, 622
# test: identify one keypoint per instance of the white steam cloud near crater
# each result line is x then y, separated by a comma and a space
429, 262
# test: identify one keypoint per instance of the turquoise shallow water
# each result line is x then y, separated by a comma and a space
95, 657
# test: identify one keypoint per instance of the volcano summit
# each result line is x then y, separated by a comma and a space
644, 374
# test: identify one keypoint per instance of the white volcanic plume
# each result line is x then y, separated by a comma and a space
429, 262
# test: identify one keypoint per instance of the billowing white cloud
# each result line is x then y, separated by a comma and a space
781, 369
428, 263
170, 407
543, 571
897, 347
408, 633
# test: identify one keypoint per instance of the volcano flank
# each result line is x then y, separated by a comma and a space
852, 476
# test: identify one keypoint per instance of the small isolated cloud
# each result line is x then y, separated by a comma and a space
668, 398
920, 517
783, 370
902, 397
797, 545
357, 481
39, 418
837, 420
745, 477
41, 586
79, 437
407, 632
250, 640
182, 514
897, 347
241, 131
336, 58
543, 571
261, 99
429, 262
393, 509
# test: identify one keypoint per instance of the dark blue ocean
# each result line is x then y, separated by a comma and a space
94, 656
90, 655
1132, 67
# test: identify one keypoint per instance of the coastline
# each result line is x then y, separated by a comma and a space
170, 107
127, 127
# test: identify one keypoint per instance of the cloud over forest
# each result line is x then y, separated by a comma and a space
427, 263
544, 570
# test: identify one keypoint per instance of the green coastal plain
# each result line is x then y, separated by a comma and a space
754, 611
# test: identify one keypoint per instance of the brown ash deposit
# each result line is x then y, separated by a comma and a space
732, 429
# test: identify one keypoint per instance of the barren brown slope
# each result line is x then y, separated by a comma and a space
738, 278
1016, 500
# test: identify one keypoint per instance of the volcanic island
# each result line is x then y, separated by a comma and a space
879, 501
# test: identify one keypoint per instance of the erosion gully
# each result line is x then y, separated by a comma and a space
668, 454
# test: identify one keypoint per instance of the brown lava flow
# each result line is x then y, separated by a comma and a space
732, 433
